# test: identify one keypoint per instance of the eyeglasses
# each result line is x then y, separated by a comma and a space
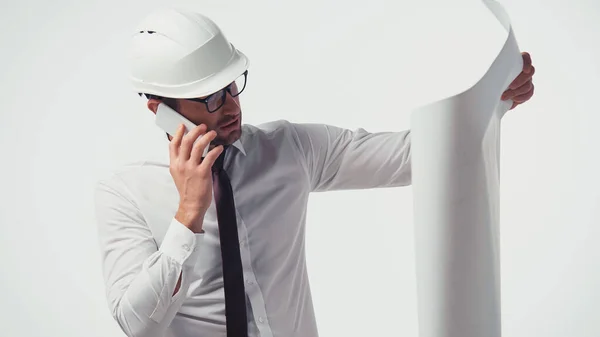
216, 100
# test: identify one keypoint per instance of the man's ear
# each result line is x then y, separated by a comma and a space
153, 104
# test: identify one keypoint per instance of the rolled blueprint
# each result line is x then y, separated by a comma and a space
455, 164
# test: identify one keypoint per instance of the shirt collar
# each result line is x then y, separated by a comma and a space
238, 145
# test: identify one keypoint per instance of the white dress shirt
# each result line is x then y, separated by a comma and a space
273, 168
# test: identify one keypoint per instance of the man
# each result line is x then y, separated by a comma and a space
214, 246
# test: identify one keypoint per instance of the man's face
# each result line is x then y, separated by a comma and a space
226, 121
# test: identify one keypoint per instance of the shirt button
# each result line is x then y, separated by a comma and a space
249, 282
261, 319
186, 247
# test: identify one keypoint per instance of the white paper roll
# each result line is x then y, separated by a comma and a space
455, 158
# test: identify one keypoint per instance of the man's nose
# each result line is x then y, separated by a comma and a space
231, 106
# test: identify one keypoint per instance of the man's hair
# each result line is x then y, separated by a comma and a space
170, 102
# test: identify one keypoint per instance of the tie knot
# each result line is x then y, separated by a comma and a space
218, 165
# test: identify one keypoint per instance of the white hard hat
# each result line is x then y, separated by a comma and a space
182, 54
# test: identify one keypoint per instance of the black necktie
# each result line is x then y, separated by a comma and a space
233, 276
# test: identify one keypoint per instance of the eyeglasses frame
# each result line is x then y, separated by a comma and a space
222, 92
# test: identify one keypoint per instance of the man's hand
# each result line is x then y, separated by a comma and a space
521, 89
192, 174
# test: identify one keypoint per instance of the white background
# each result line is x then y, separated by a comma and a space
69, 117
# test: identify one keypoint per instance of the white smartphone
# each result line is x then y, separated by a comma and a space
169, 120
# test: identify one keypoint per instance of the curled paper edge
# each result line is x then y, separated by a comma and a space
455, 145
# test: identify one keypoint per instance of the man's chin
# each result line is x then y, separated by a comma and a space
228, 139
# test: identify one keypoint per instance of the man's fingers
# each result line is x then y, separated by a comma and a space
524, 97
188, 141
522, 89
522, 79
525, 75
211, 157
175, 143
511, 94
198, 149
526, 62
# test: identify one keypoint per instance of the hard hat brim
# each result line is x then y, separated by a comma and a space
238, 64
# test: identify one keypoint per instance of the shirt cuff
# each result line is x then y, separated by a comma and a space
181, 244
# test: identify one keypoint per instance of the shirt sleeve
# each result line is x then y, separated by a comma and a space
140, 277
341, 159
